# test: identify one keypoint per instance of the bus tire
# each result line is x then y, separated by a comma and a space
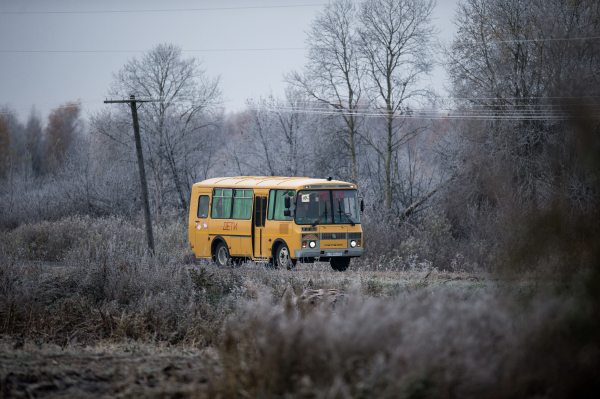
283, 259
222, 258
339, 264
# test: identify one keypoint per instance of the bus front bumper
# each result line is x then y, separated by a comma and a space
327, 253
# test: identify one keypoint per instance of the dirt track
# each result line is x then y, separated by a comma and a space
130, 371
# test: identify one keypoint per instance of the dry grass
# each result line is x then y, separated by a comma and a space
115, 322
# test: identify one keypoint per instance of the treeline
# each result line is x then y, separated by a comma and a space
450, 180
40, 148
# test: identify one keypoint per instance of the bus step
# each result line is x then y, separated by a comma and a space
261, 260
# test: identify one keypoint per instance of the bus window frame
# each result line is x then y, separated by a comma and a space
251, 197
215, 199
207, 207
271, 211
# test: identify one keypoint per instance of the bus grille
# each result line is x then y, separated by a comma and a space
354, 236
333, 236
309, 236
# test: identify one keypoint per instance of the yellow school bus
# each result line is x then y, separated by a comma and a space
279, 220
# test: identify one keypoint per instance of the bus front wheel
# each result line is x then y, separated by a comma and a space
222, 257
339, 264
283, 259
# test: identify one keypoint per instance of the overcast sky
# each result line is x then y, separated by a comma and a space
85, 49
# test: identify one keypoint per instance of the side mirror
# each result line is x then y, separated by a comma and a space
362, 206
288, 203
287, 213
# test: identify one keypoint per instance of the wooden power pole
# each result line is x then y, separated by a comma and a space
140, 159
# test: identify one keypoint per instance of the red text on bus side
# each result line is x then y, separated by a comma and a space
230, 226
339, 194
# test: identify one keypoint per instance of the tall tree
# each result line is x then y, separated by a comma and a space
280, 131
515, 60
4, 145
34, 142
64, 126
176, 132
395, 44
333, 73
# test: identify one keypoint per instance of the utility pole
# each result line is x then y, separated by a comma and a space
140, 158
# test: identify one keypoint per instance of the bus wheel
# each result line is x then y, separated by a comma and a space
283, 259
339, 264
222, 257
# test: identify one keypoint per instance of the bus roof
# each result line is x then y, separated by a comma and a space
290, 183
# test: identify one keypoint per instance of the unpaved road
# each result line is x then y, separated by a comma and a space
27, 372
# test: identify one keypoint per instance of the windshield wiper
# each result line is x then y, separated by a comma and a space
320, 219
344, 213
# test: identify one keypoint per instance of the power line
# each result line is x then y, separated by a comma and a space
558, 39
144, 51
160, 10
428, 114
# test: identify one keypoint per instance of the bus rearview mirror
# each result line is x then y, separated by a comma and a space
362, 206
287, 203
287, 213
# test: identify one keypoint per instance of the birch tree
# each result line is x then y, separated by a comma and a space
395, 44
333, 75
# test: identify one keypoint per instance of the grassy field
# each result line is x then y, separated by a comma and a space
36, 364
110, 321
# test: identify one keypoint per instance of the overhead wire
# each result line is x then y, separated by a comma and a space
144, 51
416, 113
423, 114
161, 10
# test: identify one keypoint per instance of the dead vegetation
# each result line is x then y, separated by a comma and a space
113, 321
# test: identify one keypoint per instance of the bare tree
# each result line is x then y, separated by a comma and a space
177, 132
5, 146
333, 73
64, 127
514, 60
34, 142
395, 38
280, 132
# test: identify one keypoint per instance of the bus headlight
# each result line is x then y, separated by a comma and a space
312, 244
352, 243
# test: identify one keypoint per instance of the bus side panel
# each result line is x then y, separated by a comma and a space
244, 239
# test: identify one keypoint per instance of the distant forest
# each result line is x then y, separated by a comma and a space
448, 179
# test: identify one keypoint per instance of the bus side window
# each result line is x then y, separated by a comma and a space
221, 207
203, 206
279, 206
271, 204
242, 204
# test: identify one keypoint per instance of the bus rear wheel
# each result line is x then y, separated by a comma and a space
339, 264
283, 259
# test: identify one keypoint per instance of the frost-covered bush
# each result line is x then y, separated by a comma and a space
78, 239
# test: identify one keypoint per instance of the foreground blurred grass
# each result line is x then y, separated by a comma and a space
409, 332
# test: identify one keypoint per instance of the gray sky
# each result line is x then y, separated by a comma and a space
99, 44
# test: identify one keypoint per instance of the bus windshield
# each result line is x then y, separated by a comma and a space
327, 207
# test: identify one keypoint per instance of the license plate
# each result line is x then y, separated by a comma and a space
333, 254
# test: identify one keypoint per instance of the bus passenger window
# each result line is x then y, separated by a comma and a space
271, 204
203, 206
242, 204
221, 208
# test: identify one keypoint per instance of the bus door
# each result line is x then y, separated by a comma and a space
258, 223
200, 237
